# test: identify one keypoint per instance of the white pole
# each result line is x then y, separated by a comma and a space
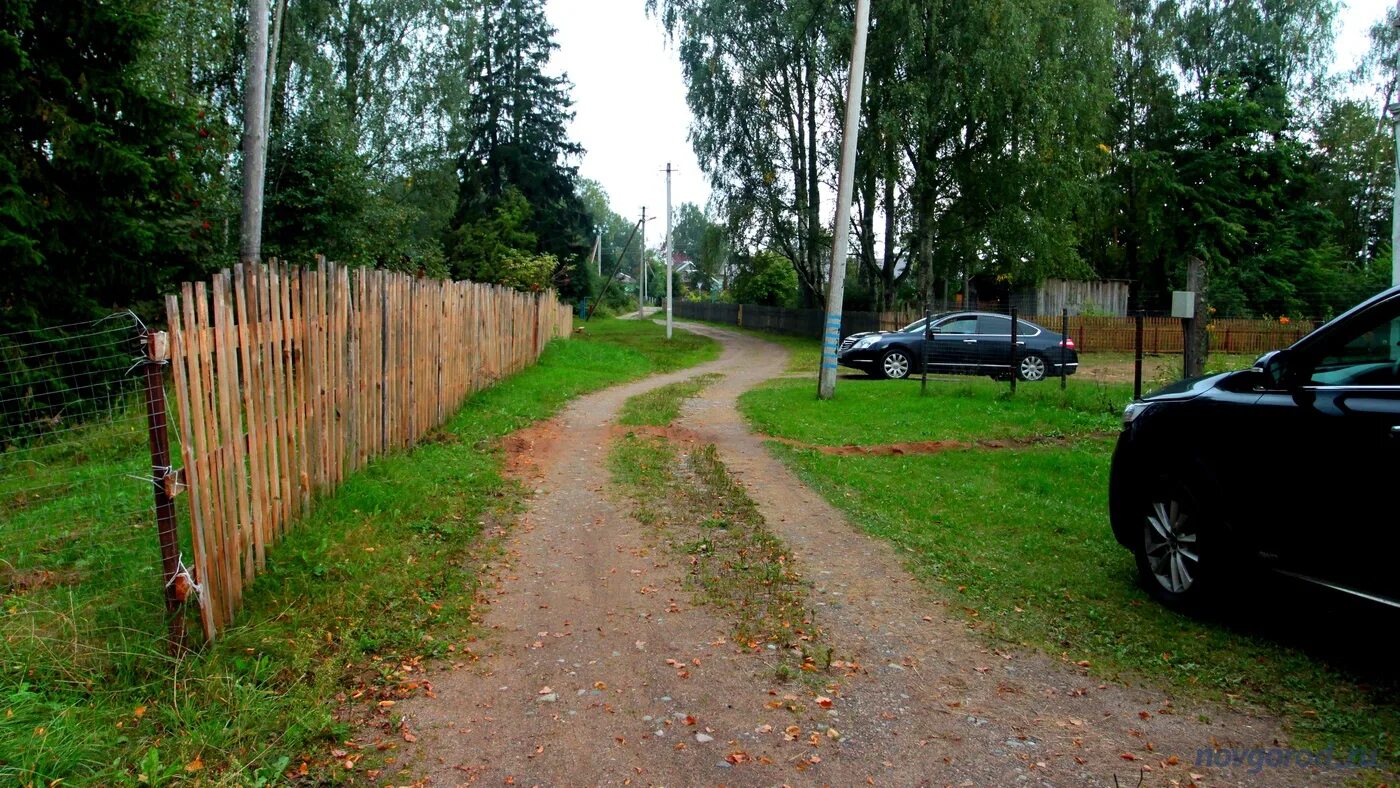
642, 267
669, 258
1395, 204
836, 283
600, 251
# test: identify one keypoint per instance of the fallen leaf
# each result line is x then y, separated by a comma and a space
1127, 756
824, 701
195, 765
737, 757
139, 711
1144, 715
545, 690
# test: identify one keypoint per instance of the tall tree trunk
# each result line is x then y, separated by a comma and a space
254, 134
887, 272
278, 13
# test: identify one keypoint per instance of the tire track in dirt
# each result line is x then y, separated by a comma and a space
585, 613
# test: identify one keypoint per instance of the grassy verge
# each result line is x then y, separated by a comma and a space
378, 579
1019, 541
872, 412
736, 565
660, 406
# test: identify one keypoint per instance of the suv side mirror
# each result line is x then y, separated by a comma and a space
1274, 366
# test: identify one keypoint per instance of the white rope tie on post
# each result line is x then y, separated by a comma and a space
184, 583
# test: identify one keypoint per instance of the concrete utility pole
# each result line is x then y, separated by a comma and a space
1395, 203
836, 283
642, 268
669, 258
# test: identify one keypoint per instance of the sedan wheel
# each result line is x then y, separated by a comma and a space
895, 365
1032, 368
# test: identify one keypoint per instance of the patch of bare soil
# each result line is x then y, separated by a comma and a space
934, 447
529, 450
600, 669
22, 581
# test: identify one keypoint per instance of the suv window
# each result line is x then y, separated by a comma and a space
958, 325
1365, 356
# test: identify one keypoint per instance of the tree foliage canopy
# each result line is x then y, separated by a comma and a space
1012, 142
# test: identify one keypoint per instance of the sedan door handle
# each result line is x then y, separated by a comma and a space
969, 341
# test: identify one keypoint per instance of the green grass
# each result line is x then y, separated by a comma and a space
379, 578
1019, 541
736, 565
874, 412
649, 340
660, 406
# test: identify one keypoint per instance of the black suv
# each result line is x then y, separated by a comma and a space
966, 343
1285, 466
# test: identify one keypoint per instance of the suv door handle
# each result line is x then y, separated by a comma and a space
969, 341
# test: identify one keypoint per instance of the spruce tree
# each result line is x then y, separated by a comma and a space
518, 145
98, 200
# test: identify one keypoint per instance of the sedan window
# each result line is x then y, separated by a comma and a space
958, 325
999, 326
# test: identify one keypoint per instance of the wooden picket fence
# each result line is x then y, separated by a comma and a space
1164, 334
289, 379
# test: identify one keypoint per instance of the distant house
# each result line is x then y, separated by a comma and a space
1106, 297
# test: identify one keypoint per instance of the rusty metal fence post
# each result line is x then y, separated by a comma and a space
1064, 350
164, 483
1015, 351
1137, 356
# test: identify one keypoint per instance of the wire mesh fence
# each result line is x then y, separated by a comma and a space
1142, 349
80, 569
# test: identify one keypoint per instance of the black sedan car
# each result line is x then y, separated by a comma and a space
966, 343
1285, 467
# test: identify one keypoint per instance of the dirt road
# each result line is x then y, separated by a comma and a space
599, 670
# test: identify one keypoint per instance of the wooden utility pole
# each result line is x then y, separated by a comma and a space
254, 134
1197, 343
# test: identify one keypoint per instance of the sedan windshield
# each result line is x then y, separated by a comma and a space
918, 325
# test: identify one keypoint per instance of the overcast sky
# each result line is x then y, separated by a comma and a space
629, 97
